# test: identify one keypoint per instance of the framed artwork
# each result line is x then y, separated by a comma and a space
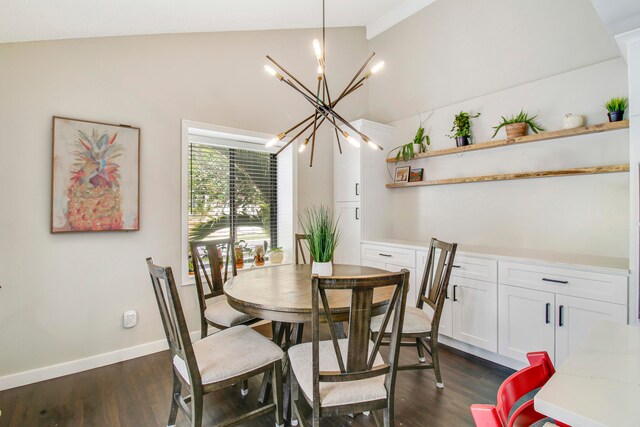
95, 176
402, 174
415, 174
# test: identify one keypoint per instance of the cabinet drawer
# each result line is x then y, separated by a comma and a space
389, 255
564, 281
465, 266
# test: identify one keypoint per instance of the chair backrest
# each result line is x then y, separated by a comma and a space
210, 283
175, 325
300, 248
360, 354
513, 389
433, 290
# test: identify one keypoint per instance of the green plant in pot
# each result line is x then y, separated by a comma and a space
516, 125
276, 255
418, 145
462, 128
616, 108
323, 236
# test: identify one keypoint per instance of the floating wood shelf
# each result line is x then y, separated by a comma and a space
519, 175
542, 136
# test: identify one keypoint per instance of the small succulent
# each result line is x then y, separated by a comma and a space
521, 117
407, 151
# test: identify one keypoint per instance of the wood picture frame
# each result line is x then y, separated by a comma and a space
402, 174
95, 176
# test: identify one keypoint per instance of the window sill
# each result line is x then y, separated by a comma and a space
247, 267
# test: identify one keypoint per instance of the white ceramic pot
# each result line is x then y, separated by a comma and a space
571, 121
276, 257
323, 269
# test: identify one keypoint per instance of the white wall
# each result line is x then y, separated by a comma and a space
547, 57
63, 296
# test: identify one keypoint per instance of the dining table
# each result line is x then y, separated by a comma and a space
599, 383
282, 294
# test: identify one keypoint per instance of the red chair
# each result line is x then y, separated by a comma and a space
513, 389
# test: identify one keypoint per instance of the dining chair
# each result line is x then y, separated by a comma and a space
300, 248
214, 362
214, 309
421, 323
346, 376
512, 390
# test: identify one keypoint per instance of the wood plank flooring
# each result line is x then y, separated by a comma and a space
137, 393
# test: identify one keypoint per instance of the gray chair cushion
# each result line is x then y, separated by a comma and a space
416, 321
332, 394
230, 353
219, 311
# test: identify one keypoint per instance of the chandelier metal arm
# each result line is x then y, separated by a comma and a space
357, 74
290, 75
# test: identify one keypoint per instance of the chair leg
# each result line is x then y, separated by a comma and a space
421, 357
436, 361
244, 388
196, 410
277, 392
173, 412
388, 417
204, 329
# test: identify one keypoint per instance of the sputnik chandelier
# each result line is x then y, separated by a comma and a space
323, 104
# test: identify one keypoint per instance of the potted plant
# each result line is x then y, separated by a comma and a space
409, 151
516, 125
462, 128
322, 238
276, 255
616, 108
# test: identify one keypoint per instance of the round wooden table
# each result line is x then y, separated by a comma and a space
283, 293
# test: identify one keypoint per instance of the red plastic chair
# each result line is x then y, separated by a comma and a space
512, 390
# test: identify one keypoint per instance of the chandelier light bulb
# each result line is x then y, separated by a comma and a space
275, 140
317, 50
351, 140
373, 145
320, 70
303, 146
377, 67
273, 72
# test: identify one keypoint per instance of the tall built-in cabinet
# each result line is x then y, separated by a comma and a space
351, 168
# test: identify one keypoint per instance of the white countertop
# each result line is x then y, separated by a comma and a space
595, 263
599, 384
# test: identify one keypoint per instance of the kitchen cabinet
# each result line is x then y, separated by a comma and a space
475, 312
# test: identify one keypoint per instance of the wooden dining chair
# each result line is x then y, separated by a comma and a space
421, 323
346, 376
214, 362
214, 309
300, 248
512, 390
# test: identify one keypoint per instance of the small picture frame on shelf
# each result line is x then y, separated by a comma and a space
415, 174
402, 174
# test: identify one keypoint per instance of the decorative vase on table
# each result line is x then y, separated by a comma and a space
322, 269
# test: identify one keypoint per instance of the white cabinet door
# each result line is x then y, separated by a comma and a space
350, 218
346, 173
446, 318
475, 312
526, 322
411, 293
575, 317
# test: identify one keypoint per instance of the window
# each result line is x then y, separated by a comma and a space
232, 193
234, 187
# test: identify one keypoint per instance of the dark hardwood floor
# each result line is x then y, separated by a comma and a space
137, 393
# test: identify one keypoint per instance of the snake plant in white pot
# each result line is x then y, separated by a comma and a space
322, 233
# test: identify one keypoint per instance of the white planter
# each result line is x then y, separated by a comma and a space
276, 257
571, 121
323, 269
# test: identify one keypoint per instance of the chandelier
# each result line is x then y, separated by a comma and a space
322, 102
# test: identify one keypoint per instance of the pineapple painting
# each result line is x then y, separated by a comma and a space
95, 176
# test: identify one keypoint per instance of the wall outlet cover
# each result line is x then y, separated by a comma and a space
130, 318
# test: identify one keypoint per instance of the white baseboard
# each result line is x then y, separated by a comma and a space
483, 354
74, 366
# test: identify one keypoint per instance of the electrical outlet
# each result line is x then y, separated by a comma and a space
130, 318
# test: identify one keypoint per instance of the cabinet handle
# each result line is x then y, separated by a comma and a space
357, 211
564, 282
357, 189
454, 293
561, 316
548, 314
387, 255
455, 266
446, 294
